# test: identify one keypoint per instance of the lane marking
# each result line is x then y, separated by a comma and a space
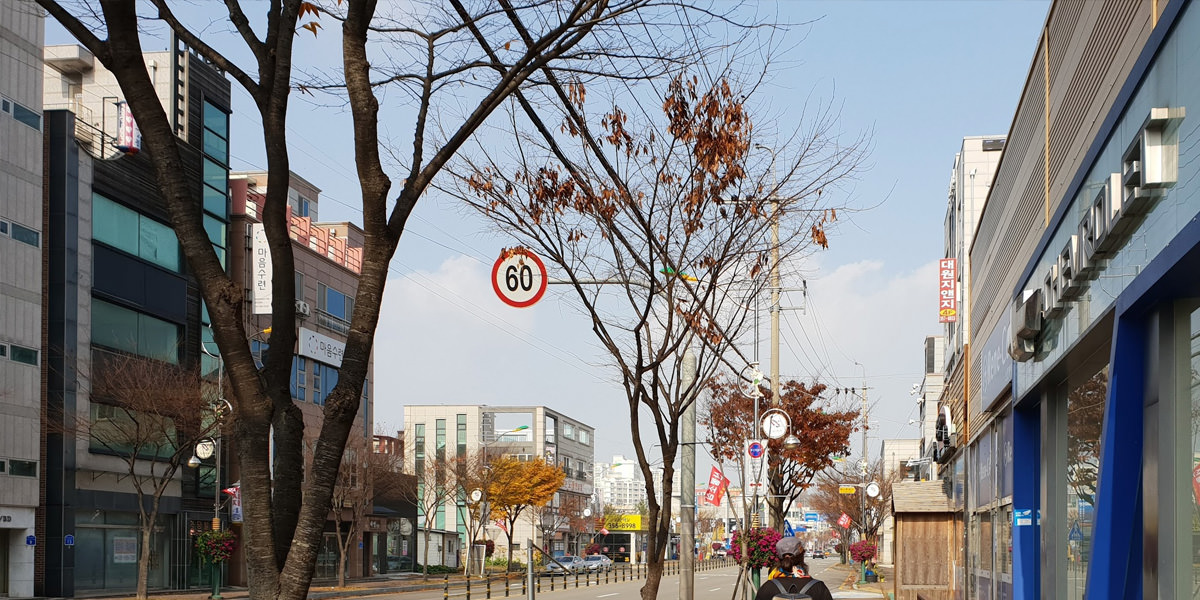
606, 595
715, 590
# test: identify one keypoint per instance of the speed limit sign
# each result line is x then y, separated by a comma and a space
519, 278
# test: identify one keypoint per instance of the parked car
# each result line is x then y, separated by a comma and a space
598, 563
566, 565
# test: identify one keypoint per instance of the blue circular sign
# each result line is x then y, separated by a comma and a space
756, 450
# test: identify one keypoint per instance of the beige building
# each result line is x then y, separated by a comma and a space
21, 318
523, 432
328, 259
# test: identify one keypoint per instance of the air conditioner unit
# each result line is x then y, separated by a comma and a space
302, 309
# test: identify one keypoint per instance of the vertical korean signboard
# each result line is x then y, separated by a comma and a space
261, 269
947, 290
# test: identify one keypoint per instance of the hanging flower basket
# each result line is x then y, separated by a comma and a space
760, 545
862, 551
216, 546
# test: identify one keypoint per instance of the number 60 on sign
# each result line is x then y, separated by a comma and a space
519, 278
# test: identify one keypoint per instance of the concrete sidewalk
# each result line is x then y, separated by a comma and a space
850, 588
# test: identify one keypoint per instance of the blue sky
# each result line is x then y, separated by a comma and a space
918, 76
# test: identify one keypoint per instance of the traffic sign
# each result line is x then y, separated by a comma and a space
1076, 534
847, 489
519, 278
68, 540
787, 529
30, 540
755, 478
811, 516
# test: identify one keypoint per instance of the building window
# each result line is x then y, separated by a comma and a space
460, 436
1188, 476
440, 440
125, 229
21, 113
117, 430
585, 437
299, 378
26, 235
568, 431
325, 378
22, 468
334, 303
419, 450
123, 329
299, 286
22, 354
1085, 419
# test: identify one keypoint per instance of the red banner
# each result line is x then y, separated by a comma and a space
844, 521
129, 138
716, 487
1196, 483
947, 290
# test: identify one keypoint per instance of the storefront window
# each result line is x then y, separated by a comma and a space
1085, 419
1193, 486
106, 551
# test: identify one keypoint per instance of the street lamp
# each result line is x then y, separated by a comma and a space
210, 447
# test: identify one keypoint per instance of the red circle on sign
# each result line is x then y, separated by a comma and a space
756, 450
537, 295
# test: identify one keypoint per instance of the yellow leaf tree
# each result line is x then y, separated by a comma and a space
516, 486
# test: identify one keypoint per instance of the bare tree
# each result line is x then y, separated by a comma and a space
659, 189
867, 516
144, 413
487, 50
474, 475
437, 484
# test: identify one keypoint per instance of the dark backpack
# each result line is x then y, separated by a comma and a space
784, 594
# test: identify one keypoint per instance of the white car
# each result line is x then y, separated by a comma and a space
565, 565
598, 562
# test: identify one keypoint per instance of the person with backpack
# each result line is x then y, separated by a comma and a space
789, 579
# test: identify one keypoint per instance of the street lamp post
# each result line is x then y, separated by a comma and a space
209, 448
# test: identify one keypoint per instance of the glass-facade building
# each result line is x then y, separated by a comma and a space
118, 285
1095, 403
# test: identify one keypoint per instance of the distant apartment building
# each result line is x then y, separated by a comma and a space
328, 259
436, 432
22, 321
117, 285
619, 484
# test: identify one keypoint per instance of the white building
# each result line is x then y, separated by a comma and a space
928, 393
22, 31
524, 432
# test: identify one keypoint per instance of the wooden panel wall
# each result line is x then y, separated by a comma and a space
923, 559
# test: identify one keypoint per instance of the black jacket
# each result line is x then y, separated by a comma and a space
819, 591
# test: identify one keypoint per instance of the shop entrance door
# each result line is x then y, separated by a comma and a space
4, 562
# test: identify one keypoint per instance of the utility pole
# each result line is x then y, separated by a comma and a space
865, 466
687, 504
